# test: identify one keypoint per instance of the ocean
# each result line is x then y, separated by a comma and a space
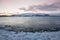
30, 24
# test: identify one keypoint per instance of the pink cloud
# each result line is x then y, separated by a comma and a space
42, 4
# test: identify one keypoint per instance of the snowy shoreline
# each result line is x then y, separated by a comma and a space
10, 35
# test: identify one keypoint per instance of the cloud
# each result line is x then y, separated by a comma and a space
50, 7
22, 8
30, 5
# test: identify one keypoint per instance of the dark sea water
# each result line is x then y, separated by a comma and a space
30, 23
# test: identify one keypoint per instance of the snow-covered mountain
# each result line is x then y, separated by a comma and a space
54, 14
31, 14
35, 14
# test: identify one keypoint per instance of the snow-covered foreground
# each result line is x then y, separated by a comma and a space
9, 35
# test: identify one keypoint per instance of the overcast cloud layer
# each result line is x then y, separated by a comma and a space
30, 5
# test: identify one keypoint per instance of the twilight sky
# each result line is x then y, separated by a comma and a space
36, 6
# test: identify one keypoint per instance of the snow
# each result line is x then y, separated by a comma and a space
10, 35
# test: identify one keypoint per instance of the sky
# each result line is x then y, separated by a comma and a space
35, 6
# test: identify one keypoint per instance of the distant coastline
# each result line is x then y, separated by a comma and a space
30, 15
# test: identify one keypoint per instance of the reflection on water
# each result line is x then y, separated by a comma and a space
34, 23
